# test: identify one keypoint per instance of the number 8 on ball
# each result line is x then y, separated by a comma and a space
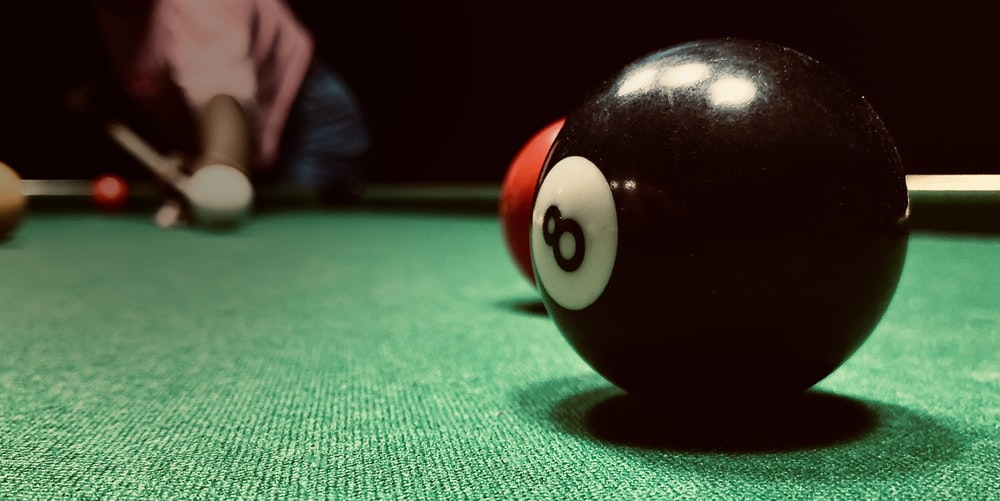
574, 233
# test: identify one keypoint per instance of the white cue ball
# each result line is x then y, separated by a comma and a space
219, 195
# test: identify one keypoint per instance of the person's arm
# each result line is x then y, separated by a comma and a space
209, 52
225, 134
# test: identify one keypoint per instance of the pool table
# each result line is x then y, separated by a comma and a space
392, 350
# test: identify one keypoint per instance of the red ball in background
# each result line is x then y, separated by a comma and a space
109, 191
517, 195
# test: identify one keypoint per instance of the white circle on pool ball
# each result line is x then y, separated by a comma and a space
582, 194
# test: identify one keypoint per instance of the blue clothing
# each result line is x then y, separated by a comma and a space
326, 138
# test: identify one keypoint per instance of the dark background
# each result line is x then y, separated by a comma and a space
453, 89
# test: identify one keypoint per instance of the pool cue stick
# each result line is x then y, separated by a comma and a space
237, 198
166, 168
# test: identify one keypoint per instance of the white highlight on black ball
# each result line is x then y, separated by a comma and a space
732, 92
574, 233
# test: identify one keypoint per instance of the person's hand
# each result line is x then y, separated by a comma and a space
174, 212
208, 194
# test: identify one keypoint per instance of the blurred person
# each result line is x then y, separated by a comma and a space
238, 83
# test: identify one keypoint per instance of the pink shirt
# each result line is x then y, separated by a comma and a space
184, 52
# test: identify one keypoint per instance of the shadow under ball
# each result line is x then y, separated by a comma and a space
723, 219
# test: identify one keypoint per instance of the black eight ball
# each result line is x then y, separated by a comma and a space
722, 219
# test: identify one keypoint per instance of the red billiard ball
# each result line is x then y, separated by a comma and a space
109, 191
517, 193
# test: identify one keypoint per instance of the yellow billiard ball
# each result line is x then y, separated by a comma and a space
13, 203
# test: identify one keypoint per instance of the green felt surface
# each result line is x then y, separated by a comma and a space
378, 354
